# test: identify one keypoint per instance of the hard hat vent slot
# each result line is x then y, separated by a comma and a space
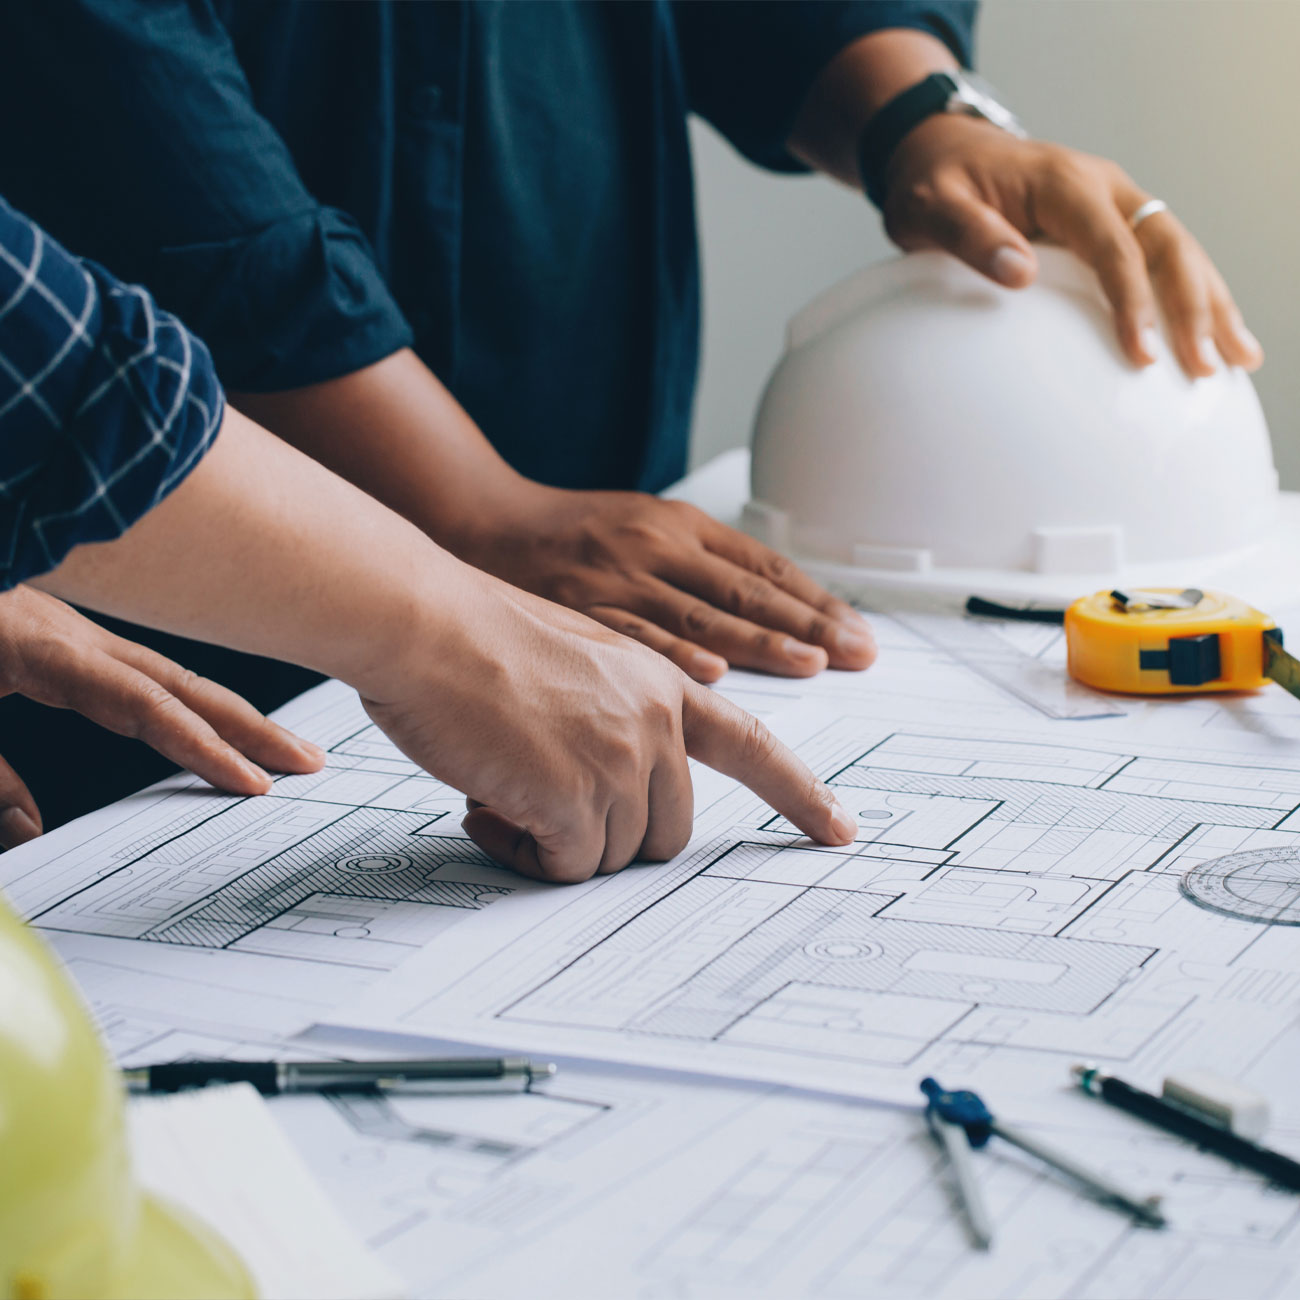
1078, 550
893, 559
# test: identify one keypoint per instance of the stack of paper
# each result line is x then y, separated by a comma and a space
220, 1155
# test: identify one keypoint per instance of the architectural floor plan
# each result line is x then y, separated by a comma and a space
1012, 904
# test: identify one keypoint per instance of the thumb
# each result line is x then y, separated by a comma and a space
962, 223
736, 744
20, 819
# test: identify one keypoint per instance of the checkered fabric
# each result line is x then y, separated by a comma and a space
106, 402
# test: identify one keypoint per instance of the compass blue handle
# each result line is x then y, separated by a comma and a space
965, 1109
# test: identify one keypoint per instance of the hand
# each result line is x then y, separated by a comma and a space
570, 741
665, 574
963, 185
53, 655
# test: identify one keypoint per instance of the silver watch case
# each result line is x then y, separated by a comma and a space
974, 97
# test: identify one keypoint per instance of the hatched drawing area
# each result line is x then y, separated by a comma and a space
359, 864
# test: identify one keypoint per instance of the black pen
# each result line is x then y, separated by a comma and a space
1214, 1137
470, 1074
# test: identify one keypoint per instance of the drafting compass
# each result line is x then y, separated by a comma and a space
961, 1120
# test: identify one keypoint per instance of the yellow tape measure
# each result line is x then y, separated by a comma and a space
1166, 641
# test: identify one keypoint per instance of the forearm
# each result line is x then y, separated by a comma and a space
396, 432
262, 550
862, 78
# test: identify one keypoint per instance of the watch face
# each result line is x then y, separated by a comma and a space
972, 94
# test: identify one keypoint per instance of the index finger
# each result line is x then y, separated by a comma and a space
737, 744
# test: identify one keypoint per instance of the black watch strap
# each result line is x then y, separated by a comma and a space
892, 122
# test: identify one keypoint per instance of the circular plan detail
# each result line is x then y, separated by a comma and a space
375, 864
1256, 885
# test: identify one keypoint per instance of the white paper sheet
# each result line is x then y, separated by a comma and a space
219, 1154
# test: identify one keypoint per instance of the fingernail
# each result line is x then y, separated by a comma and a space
1149, 342
16, 828
706, 665
841, 823
853, 641
802, 653
314, 752
260, 775
1247, 339
1208, 353
1010, 266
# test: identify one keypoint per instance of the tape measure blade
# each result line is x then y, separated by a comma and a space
1282, 667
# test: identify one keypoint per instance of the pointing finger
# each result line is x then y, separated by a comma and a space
731, 741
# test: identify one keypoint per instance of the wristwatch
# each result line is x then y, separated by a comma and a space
940, 92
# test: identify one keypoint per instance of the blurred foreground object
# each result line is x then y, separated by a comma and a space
928, 429
73, 1220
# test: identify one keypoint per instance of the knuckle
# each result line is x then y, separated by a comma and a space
1063, 168
910, 208
573, 589
1113, 172
190, 683
818, 631
663, 715
766, 644
756, 742
776, 568
151, 706
745, 596
698, 620
683, 513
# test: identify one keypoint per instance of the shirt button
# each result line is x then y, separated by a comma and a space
425, 101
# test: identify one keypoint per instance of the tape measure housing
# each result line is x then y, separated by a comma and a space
1217, 645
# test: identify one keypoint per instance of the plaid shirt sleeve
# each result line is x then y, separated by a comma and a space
106, 402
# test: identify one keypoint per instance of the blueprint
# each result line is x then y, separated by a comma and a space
1011, 905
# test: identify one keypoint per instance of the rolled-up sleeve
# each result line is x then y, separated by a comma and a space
106, 402
749, 64
143, 148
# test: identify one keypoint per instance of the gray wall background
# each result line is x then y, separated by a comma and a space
1198, 99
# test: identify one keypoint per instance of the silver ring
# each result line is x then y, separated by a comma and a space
1148, 209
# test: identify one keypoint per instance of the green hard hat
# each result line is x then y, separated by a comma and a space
73, 1221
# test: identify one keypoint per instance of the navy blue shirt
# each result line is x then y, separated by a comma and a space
507, 186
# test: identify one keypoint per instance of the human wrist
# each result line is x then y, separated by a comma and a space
860, 80
400, 621
490, 526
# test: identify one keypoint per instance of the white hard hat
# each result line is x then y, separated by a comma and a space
929, 429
